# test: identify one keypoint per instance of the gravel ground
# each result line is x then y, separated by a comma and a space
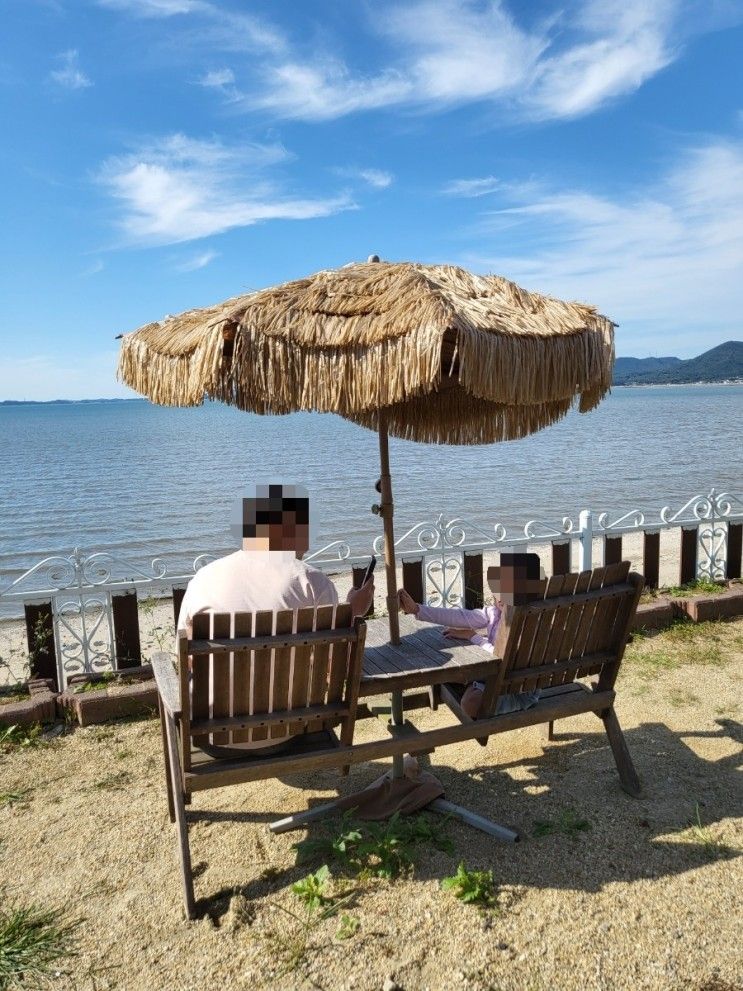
642, 899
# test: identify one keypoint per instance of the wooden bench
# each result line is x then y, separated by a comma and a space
254, 679
580, 628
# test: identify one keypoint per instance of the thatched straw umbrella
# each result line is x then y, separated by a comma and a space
424, 352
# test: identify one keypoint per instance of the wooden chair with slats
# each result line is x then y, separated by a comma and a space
580, 628
254, 679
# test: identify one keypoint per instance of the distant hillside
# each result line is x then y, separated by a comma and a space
720, 364
630, 368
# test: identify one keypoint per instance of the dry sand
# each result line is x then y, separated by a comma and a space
157, 625
639, 901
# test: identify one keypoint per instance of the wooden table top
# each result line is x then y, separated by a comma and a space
423, 657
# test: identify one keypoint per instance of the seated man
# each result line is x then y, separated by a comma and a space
267, 573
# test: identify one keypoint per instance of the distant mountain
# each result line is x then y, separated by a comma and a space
720, 364
631, 368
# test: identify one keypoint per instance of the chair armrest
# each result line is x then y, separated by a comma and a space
167, 682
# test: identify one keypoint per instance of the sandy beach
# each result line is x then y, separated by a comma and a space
604, 891
157, 629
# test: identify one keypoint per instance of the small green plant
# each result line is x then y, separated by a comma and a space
33, 941
374, 849
349, 926
18, 737
6, 697
312, 890
291, 945
472, 887
159, 634
18, 797
114, 781
703, 585
567, 823
712, 845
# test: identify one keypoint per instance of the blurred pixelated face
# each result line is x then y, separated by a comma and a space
517, 580
276, 519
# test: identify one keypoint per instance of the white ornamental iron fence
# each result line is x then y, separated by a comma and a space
81, 610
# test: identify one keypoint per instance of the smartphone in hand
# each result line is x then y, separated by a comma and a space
370, 569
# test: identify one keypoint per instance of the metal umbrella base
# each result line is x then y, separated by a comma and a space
383, 791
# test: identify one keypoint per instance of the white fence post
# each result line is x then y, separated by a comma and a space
585, 529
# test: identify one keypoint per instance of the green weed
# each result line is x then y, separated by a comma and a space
312, 890
33, 940
712, 845
567, 823
701, 586
472, 887
291, 944
20, 737
11, 798
349, 926
374, 849
115, 781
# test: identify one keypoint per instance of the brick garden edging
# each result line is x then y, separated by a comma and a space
44, 705
663, 610
721, 605
99, 706
39, 707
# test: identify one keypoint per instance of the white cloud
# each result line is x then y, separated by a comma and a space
69, 74
471, 187
93, 269
198, 261
218, 27
627, 42
180, 189
155, 8
664, 262
377, 178
325, 90
217, 79
445, 53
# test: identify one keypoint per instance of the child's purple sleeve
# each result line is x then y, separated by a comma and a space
473, 619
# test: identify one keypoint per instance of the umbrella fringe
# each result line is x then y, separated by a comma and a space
375, 336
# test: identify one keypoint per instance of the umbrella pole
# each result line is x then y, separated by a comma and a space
389, 532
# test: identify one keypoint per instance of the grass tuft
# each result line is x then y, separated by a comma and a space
33, 942
568, 823
18, 737
17, 797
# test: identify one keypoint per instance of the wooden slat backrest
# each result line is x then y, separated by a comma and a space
318, 681
581, 615
260, 675
221, 675
242, 674
200, 675
263, 676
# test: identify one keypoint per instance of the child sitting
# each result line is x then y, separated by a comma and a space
516, 582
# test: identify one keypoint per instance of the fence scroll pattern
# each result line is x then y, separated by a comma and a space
80, 586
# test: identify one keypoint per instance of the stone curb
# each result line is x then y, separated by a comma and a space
39, 707
100, 706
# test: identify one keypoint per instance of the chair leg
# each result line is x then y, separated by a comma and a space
627, 773
168, 783
549, 730
180, 818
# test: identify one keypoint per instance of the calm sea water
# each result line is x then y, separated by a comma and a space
139, 480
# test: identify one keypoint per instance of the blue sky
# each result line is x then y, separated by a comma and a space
166, 154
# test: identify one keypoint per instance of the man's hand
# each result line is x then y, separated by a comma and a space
361, 599
459, 632
407, 602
